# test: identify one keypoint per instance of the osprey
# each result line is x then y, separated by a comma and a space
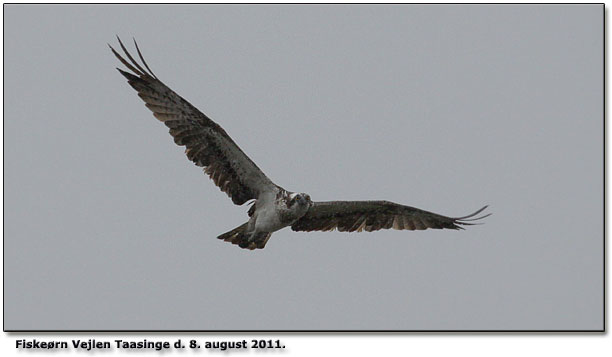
273, 208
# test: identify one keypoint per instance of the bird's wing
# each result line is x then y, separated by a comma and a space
350, 216
207, 144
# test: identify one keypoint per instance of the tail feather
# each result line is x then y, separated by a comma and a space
240, 237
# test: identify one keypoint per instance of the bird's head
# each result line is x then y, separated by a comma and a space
301, 200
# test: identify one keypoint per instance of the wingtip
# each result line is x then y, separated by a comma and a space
119, 39
133, 66
470, 219
142, 59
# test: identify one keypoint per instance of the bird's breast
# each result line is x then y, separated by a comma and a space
268, 220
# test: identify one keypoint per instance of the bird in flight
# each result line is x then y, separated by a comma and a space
273, 207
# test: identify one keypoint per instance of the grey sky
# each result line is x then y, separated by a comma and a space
445, 108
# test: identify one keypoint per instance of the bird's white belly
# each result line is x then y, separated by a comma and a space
268, 220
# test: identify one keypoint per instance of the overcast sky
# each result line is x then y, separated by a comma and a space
447, 108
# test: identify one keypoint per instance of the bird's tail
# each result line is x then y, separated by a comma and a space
240, 236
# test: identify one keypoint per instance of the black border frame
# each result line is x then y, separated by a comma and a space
315, 332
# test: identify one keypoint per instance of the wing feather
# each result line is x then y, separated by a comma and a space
350, 216
207, 144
